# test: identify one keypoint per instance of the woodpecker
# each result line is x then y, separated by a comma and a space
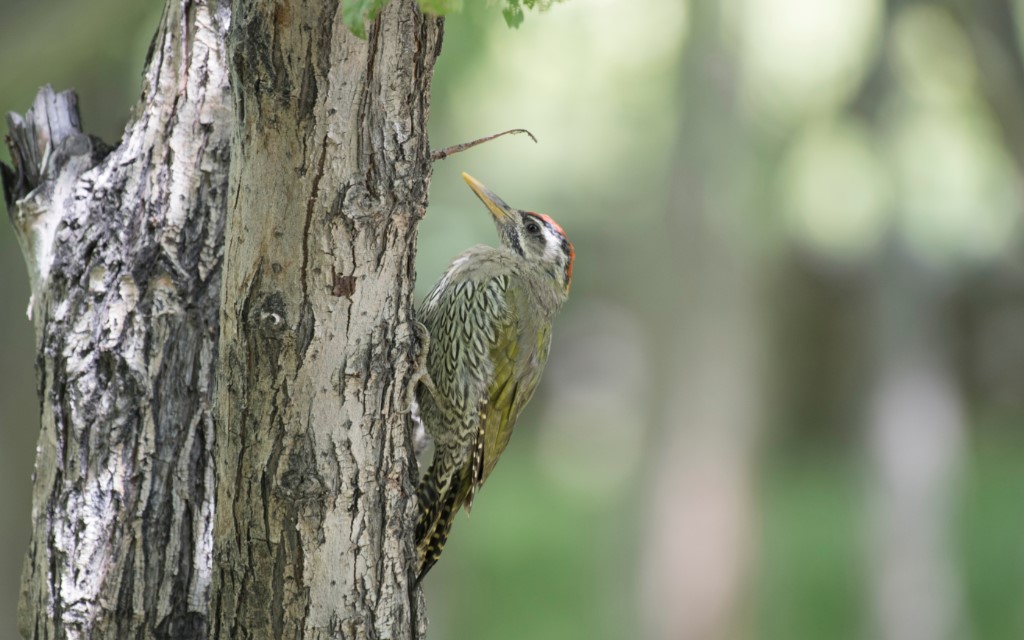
489, 324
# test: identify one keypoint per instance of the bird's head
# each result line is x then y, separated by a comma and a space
533, 236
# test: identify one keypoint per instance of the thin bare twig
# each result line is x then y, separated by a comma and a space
441, 154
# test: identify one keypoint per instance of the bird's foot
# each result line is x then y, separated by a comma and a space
420, 375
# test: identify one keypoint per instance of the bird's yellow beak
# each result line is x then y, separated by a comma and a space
495, 205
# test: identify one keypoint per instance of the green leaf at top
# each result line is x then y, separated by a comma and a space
440, 7
513, 14
356, 13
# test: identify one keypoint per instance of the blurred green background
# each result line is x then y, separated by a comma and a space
786, 397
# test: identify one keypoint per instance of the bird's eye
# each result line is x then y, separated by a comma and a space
532, 227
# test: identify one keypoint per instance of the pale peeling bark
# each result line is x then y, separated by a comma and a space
123, 248
329, 179
312, 475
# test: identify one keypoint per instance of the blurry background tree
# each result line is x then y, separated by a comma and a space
865, 167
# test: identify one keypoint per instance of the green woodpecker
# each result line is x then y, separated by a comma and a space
489, 319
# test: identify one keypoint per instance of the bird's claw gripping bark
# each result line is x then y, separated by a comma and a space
420, 375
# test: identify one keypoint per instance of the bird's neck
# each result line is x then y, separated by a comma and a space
546, 287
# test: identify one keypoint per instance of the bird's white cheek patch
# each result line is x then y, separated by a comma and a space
552, 247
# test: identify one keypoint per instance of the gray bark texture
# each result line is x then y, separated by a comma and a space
222, 311
329, 178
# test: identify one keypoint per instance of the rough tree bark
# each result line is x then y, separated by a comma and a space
329, 178
308, 493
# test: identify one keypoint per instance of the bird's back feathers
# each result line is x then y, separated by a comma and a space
489, 343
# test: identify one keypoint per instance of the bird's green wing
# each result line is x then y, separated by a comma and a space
486, 355
518, 359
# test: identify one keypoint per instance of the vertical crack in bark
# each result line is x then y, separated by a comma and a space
313, 199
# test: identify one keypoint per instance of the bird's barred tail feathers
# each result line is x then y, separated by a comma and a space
451, 482
476, 461
438, 495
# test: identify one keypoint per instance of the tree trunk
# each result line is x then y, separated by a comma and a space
329, 178
699, 551
312, 469
915, 446
913, 418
